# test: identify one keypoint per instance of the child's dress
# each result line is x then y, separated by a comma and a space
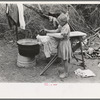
64, 48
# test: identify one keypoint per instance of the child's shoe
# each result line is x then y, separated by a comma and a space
63, 75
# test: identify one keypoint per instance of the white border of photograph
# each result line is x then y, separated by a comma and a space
52, 90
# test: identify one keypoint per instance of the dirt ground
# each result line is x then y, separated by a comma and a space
10, 72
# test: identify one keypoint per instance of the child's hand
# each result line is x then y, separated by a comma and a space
50, 18
64, 35
53, 20
45, 30
42, 32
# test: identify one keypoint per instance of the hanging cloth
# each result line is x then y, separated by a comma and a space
12, 14
15, 15
21, 16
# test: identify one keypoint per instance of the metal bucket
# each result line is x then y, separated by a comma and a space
25, 62
28, 47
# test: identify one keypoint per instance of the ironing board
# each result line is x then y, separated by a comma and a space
75, 34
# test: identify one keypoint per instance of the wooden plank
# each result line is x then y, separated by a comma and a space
72, 34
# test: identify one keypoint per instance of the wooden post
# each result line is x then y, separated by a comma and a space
16, 33
83, 64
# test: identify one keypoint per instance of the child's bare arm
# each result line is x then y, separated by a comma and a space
56, 35
52, 31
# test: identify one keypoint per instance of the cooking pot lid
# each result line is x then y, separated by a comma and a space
28, 42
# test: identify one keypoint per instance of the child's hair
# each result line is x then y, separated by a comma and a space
63, 18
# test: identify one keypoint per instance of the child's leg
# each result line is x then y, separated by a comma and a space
65, 74
66, 66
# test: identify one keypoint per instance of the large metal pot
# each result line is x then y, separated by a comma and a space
28, 47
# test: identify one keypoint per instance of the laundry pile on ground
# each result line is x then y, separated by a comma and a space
84, 73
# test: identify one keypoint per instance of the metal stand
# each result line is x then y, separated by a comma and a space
49, 64
79, 45
83, 63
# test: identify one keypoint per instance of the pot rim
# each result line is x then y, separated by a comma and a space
22, 42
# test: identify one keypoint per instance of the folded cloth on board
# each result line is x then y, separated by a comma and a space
84, 73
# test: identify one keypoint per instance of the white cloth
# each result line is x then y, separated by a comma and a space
7, 8
84, 73
21, 16
49, 43
43, 39
53, 20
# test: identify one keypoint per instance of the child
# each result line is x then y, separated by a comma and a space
64, 47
